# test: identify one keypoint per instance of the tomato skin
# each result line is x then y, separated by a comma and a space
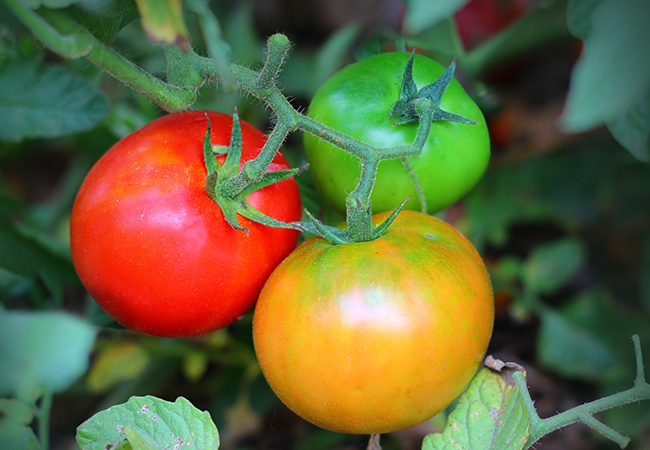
153, 249
357, 101
378, 336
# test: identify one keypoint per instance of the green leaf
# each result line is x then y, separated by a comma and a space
614, 70
571, 350
332, 54
490, 414
423, 14
26, 255
121, 362
106, 23
149, 421
441, 38
46, 102
54, 4
632, 128
136, 441
589, 339
195, 365
530, 192
47, 350
218, 49
14, 436
18, 411
240, 32
578, 16
551, 266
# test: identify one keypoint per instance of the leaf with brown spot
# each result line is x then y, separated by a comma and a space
489, 414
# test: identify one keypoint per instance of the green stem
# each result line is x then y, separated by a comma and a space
416, 184
69, 39
171, 98
277, 48
351, 145
256, 168
217, 48
606, 431
187, 71
359, 212
584, 413
42, 414
70, 47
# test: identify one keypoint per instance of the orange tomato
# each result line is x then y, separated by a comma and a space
377, 336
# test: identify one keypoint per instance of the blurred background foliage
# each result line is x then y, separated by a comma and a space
562, 217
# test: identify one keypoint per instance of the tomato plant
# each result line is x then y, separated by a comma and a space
151, 246
377, 336
357, 101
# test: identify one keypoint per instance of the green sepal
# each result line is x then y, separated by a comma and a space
230, 167
338, 236
217, 175
381, 229
333, 235
404, 109
239, 204
211, 164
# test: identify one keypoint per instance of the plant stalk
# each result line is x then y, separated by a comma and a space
584, 413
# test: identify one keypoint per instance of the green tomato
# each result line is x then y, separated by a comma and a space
357, 101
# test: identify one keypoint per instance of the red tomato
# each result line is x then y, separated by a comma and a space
479, 20
376, 336
154, 250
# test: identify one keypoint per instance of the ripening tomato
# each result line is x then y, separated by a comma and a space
357, 101
377, 336
154, 250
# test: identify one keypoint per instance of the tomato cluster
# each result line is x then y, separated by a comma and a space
364, 337
373, 337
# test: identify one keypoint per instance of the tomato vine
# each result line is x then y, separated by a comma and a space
188, 71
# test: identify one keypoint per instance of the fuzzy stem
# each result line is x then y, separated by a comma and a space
416, 184
70, 47
359, 212
187, 71
171, 98
584, 413
277, 48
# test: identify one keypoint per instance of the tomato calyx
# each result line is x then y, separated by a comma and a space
233, 204
337, 236
404, 109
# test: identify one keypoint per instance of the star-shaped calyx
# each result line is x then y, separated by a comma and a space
404, 109
220, 190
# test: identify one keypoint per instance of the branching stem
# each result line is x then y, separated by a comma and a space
188, 71
541, 427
